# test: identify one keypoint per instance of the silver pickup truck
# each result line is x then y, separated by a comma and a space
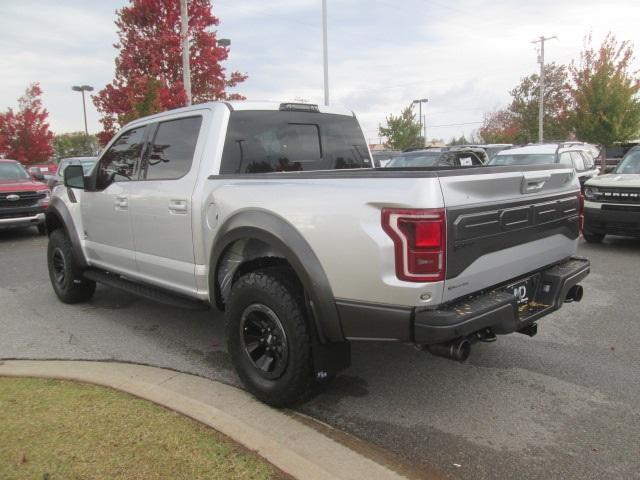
273, 214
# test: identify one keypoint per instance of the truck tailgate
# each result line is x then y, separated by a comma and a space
506, 223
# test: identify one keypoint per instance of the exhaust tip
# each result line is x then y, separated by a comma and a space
462, 350
575, 294
458, 350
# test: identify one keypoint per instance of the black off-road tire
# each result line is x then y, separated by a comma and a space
42, 229
276, 289
66, 277
593, 237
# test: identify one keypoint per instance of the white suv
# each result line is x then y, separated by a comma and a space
578, 155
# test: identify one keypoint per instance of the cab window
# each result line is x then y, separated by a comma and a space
171, 153
119, 163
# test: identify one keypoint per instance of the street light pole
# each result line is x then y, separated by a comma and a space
325, 54
420, 101
82, 89
541, 41
184, 35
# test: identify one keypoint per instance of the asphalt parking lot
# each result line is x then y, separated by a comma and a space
565, 404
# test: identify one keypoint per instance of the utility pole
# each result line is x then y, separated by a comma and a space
541, 41
325, 54
184, 35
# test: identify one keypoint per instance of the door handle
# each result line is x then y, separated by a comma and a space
178, 206
121, 203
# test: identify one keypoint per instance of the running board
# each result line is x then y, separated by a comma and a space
149, 292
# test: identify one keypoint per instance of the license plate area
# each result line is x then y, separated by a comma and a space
525, 291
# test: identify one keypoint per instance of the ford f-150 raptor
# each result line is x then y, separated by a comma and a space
273, 214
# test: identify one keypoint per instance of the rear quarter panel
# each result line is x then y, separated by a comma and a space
341, 221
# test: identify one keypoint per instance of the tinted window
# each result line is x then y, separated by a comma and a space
578, 161
171, 153
461, 159
268, 141
344, 144
118, 164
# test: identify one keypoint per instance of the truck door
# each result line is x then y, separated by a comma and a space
161, 205
105, 211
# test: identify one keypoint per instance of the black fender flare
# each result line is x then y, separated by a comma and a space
280, 234
58, 213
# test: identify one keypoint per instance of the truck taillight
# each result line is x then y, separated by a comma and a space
419, 238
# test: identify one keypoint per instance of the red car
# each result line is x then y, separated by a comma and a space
23, 200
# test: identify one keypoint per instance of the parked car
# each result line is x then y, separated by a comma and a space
23, 200
87, 164
42, 172
440, 157
247, 208
491, 149
572, 154
382, 157
616, 152
612, 201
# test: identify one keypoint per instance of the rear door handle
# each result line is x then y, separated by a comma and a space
121, 203
178, 206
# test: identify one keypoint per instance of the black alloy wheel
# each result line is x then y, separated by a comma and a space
264, 340
59, 268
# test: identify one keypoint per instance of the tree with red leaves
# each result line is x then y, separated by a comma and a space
25, 134
148, 75
500, 126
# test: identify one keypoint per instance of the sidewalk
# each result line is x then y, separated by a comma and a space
295, 448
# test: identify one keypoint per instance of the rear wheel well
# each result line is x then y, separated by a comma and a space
242, 257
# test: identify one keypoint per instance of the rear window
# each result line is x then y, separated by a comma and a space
426, 159
523, 159
268, 141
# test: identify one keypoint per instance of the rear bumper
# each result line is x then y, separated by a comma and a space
613, 219
496, 309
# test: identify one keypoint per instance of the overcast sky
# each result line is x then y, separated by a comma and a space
464, 56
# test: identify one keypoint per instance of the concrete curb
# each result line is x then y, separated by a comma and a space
295, 448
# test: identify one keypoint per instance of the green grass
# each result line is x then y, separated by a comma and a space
52, 429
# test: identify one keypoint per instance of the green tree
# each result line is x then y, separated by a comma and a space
557, 101
403, 131
605, 93
462, 140
75, 144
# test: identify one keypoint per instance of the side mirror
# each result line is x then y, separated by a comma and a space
74, 176
36, 174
